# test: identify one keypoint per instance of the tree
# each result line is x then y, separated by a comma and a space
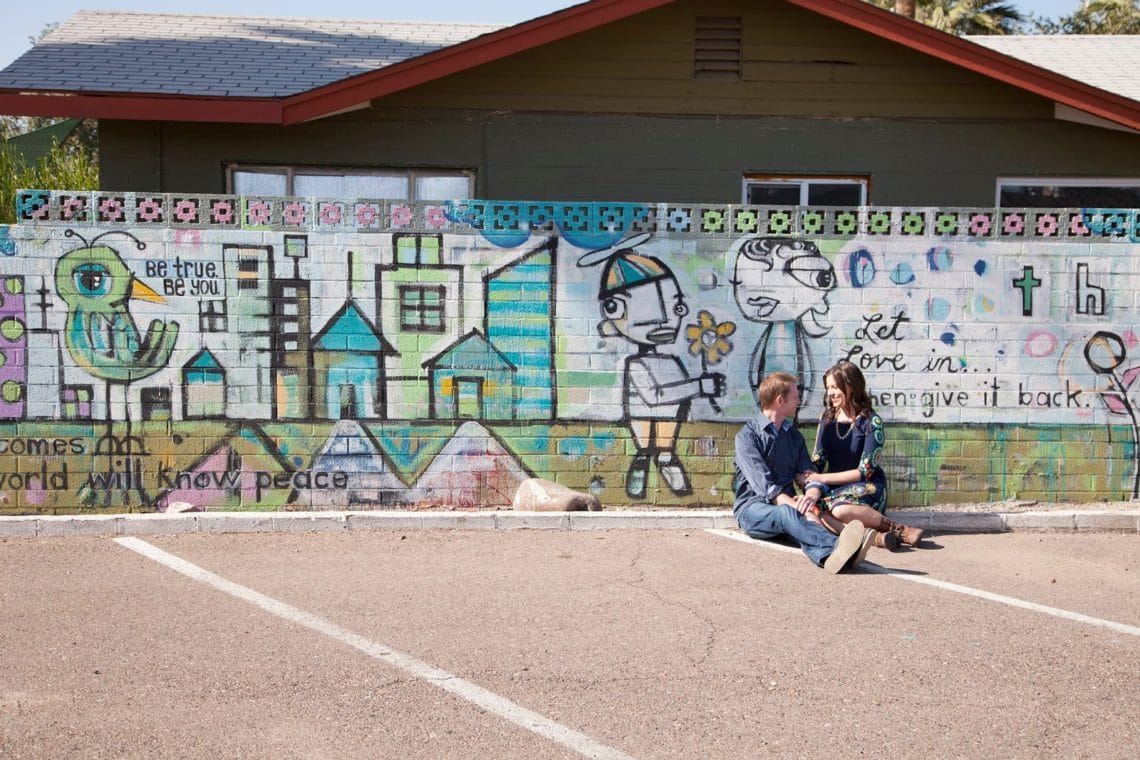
1096, 17
965, 16
72, 165
62, 169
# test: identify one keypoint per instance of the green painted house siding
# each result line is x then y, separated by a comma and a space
616, 113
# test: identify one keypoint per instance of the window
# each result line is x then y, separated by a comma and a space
212, 316
421, 308
418, 250
1038, 192
796, 191
248, 268
397, 184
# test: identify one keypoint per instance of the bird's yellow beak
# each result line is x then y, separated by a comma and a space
144, 293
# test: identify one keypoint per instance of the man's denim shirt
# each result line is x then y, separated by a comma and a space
767, 461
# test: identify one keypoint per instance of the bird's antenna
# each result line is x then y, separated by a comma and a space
72, 233
138, 243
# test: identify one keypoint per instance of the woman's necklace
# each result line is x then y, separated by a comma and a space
843, 436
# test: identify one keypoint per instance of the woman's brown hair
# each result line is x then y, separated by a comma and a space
851, 381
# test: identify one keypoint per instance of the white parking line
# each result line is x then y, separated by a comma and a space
460, 687
945, 586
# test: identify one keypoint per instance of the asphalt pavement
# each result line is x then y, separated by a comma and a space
603, 643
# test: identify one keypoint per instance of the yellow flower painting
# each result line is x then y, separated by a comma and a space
709, 339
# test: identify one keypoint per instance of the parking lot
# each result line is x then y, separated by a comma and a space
546, 644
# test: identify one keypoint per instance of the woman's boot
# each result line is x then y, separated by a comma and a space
904, 533
885, 540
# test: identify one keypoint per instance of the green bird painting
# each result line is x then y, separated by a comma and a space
103, 339
100, 332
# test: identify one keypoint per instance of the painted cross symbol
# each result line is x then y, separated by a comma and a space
1026, 284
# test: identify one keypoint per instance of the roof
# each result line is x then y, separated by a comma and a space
350, 331
181, 54
32, 85
471, 352
1110, 62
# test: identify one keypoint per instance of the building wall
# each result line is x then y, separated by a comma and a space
658, 159
999, 346
793, 63
617, 113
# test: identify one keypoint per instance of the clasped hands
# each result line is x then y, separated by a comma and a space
806, 501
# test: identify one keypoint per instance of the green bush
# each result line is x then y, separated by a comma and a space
70, 168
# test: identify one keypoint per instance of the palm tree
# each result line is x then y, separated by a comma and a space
1098, 17
964, 16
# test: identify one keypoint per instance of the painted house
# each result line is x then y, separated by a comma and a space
472, 380
204, 387
348, 358
769, 102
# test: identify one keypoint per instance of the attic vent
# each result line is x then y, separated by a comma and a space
718, 46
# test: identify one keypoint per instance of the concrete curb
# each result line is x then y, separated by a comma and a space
43, 526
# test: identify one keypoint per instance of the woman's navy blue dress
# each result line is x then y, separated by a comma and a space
838, 448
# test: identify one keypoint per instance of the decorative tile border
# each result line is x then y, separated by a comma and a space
593, 224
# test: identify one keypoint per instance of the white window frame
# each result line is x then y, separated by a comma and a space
291, 172
805, 182
1065, 181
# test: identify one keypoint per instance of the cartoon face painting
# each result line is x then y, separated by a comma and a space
649, 313
783, 283
781, 279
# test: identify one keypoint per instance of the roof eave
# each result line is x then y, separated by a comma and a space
153, 107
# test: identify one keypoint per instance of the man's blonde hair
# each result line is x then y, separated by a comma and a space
773, 386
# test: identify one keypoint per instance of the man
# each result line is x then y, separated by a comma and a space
770, 452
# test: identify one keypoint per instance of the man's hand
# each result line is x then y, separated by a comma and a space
808, 501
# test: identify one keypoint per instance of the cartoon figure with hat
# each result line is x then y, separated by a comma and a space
641, 302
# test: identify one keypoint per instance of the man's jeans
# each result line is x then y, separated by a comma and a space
759, 519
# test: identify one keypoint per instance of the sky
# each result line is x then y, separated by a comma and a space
27, 19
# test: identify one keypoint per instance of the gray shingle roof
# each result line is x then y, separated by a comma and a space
1110, 62
111, 51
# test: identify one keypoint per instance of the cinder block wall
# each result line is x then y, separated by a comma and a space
211, 352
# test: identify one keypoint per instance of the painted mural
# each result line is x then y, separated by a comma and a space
218, 353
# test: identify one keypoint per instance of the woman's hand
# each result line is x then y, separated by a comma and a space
807, 476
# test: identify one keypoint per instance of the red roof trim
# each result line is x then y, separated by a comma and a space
362, 88
483, 49
143, 107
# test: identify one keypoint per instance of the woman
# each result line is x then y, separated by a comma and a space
848, 447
